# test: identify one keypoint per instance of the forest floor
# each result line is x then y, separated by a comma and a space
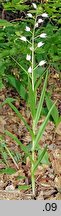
48, 177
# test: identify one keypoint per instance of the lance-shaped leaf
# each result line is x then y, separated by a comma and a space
43, 126
18, 86
23, 148
11, 156
38, 81
54, 113
39, 159
21, 66
39, 109
8, 101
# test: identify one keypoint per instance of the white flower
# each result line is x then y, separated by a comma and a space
28, 57
45, 15
23, 38
27, 29
31, 48
4, 27
40, 21
43, 35
42, 62
29, 15
30, 70
34, 5
40, 44
36, 25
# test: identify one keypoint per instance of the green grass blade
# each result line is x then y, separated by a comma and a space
4, 156
9, 153
23, 148
39, 159
39, 109
43, 126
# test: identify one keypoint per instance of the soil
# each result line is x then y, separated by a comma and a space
48, 176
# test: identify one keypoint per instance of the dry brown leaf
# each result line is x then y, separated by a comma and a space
56, 161
58, 129
57, 182
58, 196
2, 124
40, 196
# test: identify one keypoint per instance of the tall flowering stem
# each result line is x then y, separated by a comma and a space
32, 92
33, 61
33, 142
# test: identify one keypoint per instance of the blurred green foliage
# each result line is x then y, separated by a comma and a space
11, 45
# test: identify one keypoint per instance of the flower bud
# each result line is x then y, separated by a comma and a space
30, 70
45, 15
36, 25
42, 62
29, 15
40, 44
28, 57
34, 5
43, 35
27, 29
23, 38
40, 21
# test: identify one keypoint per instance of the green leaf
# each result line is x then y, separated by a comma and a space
21, 177
8, 171
43, 126
5, 23
54, 113
45, 159
32, 100
8, 101
38, 81
24, 187
1, 84
18, 86
39, 159
39, 109
23, 148
21, 117
4, 156
21, 66
15, 1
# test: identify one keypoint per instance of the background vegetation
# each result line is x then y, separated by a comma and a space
12, 24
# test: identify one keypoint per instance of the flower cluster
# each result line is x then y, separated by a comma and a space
42, 35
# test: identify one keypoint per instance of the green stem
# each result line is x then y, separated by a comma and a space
33, 61
32, 173
33, 144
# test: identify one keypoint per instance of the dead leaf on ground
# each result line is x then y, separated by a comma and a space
58, 129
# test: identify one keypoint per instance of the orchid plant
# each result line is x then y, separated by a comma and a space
33, 85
